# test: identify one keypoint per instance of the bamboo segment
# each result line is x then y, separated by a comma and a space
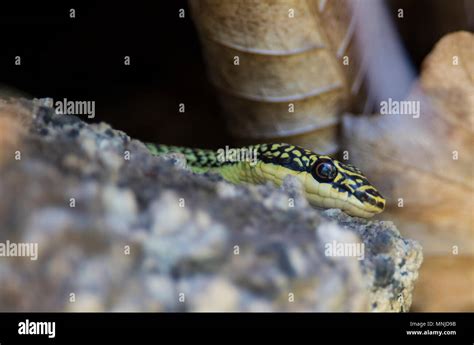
259, 26
275, 72
319, 140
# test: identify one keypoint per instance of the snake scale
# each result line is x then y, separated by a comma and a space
327, 182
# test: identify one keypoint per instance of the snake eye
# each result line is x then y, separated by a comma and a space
325, 171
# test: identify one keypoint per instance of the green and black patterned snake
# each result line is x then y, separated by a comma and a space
327, 182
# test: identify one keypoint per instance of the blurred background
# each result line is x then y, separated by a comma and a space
83, 59
176, 60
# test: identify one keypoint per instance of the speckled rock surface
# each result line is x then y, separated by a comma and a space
120, 230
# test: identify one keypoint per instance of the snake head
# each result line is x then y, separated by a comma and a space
337, 185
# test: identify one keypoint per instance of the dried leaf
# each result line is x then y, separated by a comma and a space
427, 162
453, 278
289, 55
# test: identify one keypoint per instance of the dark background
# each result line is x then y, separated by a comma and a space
82, 59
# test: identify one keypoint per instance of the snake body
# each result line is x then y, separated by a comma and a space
327, 182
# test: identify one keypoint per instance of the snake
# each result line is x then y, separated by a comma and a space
327, 182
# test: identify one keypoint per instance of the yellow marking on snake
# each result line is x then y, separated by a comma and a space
298, 161
297, 153
327, 182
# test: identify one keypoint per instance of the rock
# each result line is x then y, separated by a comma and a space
120, 230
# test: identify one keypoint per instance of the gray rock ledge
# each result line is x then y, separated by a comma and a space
146, 234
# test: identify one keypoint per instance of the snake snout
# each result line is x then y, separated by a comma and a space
371, 199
